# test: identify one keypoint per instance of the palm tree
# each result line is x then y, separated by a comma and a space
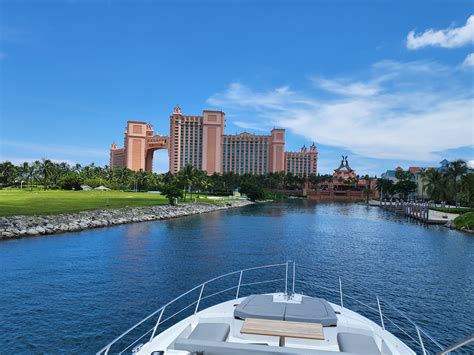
455, 170
467, 188
76, 168
384, 186
8, 173
231, 181
36, 171
367, 190
200, 181
46, 172
185, 177
27, 171
434, 183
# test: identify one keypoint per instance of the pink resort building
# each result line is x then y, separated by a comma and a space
196, 141
200, 141
345, 185
247, 153
302, 163
139, 146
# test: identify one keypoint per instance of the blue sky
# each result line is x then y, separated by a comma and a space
386, 82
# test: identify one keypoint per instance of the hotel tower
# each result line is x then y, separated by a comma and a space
200, 141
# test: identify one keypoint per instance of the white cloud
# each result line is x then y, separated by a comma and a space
420, 108
343, 87
470, 164
252, 126
469, 61
450, 37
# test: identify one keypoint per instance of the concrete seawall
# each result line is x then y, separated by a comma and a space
30, 226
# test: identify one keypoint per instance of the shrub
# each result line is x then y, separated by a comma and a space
465, 221
70, 181
172, 192
276, 196
253, 191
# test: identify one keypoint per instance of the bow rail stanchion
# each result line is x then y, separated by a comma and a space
380, 313
340, 292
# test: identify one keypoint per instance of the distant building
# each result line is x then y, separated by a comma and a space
139, 146
345, 186
391, 174
247, 153
418, 177
190, 137
302, 163
344, 171
414, 169
444, 165
200, 141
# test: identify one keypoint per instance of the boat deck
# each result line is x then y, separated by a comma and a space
353, 334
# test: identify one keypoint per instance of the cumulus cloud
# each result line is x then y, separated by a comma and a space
469, 61
419, 109
450, 37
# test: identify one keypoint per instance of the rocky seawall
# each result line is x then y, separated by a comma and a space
30, 226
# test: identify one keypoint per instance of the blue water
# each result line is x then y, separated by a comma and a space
75, 292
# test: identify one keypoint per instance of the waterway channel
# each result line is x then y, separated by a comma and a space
75, 292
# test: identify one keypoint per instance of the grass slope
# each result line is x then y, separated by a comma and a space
22, 202
465, 221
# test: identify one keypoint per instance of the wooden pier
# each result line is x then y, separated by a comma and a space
419, 211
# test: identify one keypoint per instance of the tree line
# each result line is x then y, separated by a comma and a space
454, 185
48, 175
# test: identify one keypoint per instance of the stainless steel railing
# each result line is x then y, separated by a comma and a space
160, 311
421, 334
381, 308
457, 345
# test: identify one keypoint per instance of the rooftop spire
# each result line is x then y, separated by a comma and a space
177, 110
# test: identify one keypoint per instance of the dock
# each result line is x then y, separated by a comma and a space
422, 212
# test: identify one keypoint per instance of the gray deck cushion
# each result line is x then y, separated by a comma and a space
260, 306
311, 310
210, 331
226, 348
357, 343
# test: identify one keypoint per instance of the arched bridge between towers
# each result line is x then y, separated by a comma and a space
154, 143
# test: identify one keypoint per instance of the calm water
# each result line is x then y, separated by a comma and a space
76, 292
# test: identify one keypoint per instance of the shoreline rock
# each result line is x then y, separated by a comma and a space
30, 226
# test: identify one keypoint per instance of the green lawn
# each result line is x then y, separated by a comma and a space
17, 202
